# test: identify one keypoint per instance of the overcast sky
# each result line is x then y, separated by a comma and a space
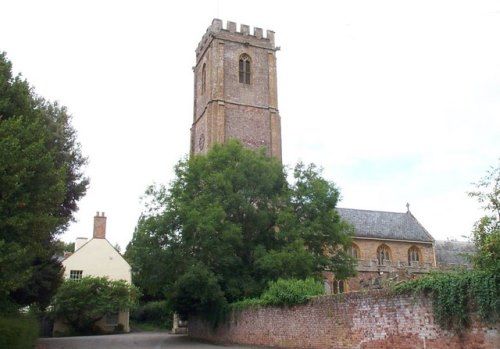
398, 101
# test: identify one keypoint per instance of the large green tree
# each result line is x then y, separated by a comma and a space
229, 223
41, 181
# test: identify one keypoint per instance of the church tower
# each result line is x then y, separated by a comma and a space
235, 90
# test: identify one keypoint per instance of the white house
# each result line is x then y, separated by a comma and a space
97, 257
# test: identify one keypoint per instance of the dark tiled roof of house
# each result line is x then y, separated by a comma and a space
449, 253
385, 225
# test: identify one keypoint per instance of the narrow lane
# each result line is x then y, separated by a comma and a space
142, 340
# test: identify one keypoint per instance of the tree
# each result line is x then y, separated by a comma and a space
230, 223
41, 181
81, 303
153, 257
486, 233
61, 247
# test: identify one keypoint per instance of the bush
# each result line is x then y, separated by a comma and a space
80, 304
284, 292
292, 291
156, 312
247, 303
18, 331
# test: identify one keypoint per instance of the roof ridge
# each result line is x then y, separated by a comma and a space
366, 210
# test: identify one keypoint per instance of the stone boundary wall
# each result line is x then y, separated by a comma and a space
375, 320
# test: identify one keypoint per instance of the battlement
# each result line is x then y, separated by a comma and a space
216, 30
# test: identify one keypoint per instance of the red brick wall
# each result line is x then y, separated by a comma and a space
356, 320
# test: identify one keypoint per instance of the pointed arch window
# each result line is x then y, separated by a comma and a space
203, 78
353, 251
245, 69
383, 254
413, 255
339, 286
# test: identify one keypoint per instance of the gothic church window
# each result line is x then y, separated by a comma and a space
413, 255
353, 251
383, 254
244, 69
339, 286
203, 78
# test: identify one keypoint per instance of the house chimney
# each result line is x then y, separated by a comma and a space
80, 242
99, 226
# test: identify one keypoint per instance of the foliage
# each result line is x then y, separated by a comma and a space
39, 289
229, 223
61, 247
292, 291
248, 303
198, 292
18, 331
454, 295
41, 181
81, 303
157, 313
285, 292
486, 233
152, 264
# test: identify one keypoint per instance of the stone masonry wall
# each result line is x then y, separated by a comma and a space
375, 320
399, 250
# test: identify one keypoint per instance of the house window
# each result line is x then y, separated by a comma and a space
383, 254
112, 318
353, 251
413, 255
75, 274
244, 69
203, 78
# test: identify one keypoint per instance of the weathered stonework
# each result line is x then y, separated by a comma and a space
375, 320
373, 275
225, 108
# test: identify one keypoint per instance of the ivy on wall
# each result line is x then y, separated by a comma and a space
456, 294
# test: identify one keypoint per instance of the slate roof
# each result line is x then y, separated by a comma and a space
385, 225
453, 252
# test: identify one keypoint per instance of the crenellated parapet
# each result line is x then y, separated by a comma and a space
230, 33
235, 89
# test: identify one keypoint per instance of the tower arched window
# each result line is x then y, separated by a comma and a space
413, 255
245, 67
383, 254
353, 251
204, 78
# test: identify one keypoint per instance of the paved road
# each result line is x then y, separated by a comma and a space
142, 340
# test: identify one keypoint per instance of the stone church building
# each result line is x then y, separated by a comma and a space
235, 84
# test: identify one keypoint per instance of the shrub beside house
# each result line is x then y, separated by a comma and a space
97, 257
